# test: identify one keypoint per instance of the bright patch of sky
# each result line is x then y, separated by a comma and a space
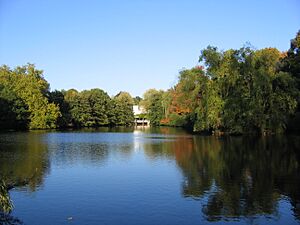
134, 45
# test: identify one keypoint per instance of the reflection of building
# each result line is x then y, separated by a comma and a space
140, 116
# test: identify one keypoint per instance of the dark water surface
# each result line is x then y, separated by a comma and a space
151, 176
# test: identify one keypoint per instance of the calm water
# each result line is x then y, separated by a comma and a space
159, 176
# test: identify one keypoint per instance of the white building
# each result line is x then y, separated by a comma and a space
137, 110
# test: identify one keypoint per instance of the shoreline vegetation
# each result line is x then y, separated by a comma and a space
237, 91
5, 202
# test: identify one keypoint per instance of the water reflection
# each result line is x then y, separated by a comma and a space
230, 178
239, 177
24, 160
7, 219
89, 147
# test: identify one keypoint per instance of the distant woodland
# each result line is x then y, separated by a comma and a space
236, 91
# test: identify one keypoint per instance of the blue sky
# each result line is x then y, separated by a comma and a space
134, 45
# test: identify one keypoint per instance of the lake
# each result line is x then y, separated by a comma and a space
150, 176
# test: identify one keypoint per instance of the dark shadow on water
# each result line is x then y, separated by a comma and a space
7, 219
24, 159
6, 206
237, 177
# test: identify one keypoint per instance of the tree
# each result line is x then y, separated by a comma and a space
122, 106
256, 97
239, 91
71, 98
97, 103
58, 98
137, 100
152, 102
88, 108
13, 111
30, 89
291, 62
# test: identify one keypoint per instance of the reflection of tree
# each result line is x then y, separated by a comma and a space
23, 160
7, 219
6, 207
239, 176
163, 130
5, 202
90, 148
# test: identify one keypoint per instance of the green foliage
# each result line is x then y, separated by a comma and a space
137, 100
71, 98
13, 111
58, 98
152, 102
199, 94
291, 63
239, 91
122, 109
208, 111
88, 108
5, 203
24, 92
178, 120
93, 108
257, 98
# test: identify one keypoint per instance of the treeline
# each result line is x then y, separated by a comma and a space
236, 91
26, 102
93, 108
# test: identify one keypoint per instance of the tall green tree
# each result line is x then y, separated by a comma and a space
256, 97
58, 98
88, 108
122, 109
238, 91
200, 96
29, 86
71, 98
13, 110
152, 102
290, 63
